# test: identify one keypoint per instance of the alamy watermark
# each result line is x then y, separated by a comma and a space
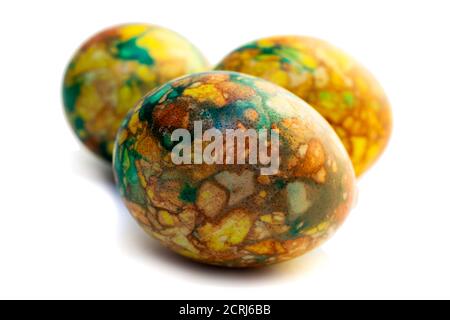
236, 146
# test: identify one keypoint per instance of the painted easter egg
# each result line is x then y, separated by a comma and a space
232, 170
339, 88
113, 70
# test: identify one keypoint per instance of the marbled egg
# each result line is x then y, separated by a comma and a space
287, 191
339, 88
113, 70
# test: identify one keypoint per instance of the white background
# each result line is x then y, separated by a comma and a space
64, 232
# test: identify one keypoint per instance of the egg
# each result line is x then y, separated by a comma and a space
113, 70
339, 88
232, 170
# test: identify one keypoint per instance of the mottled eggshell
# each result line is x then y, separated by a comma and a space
113, 70
339, 88
230, 214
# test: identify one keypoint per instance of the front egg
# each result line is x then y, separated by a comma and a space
232, 170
